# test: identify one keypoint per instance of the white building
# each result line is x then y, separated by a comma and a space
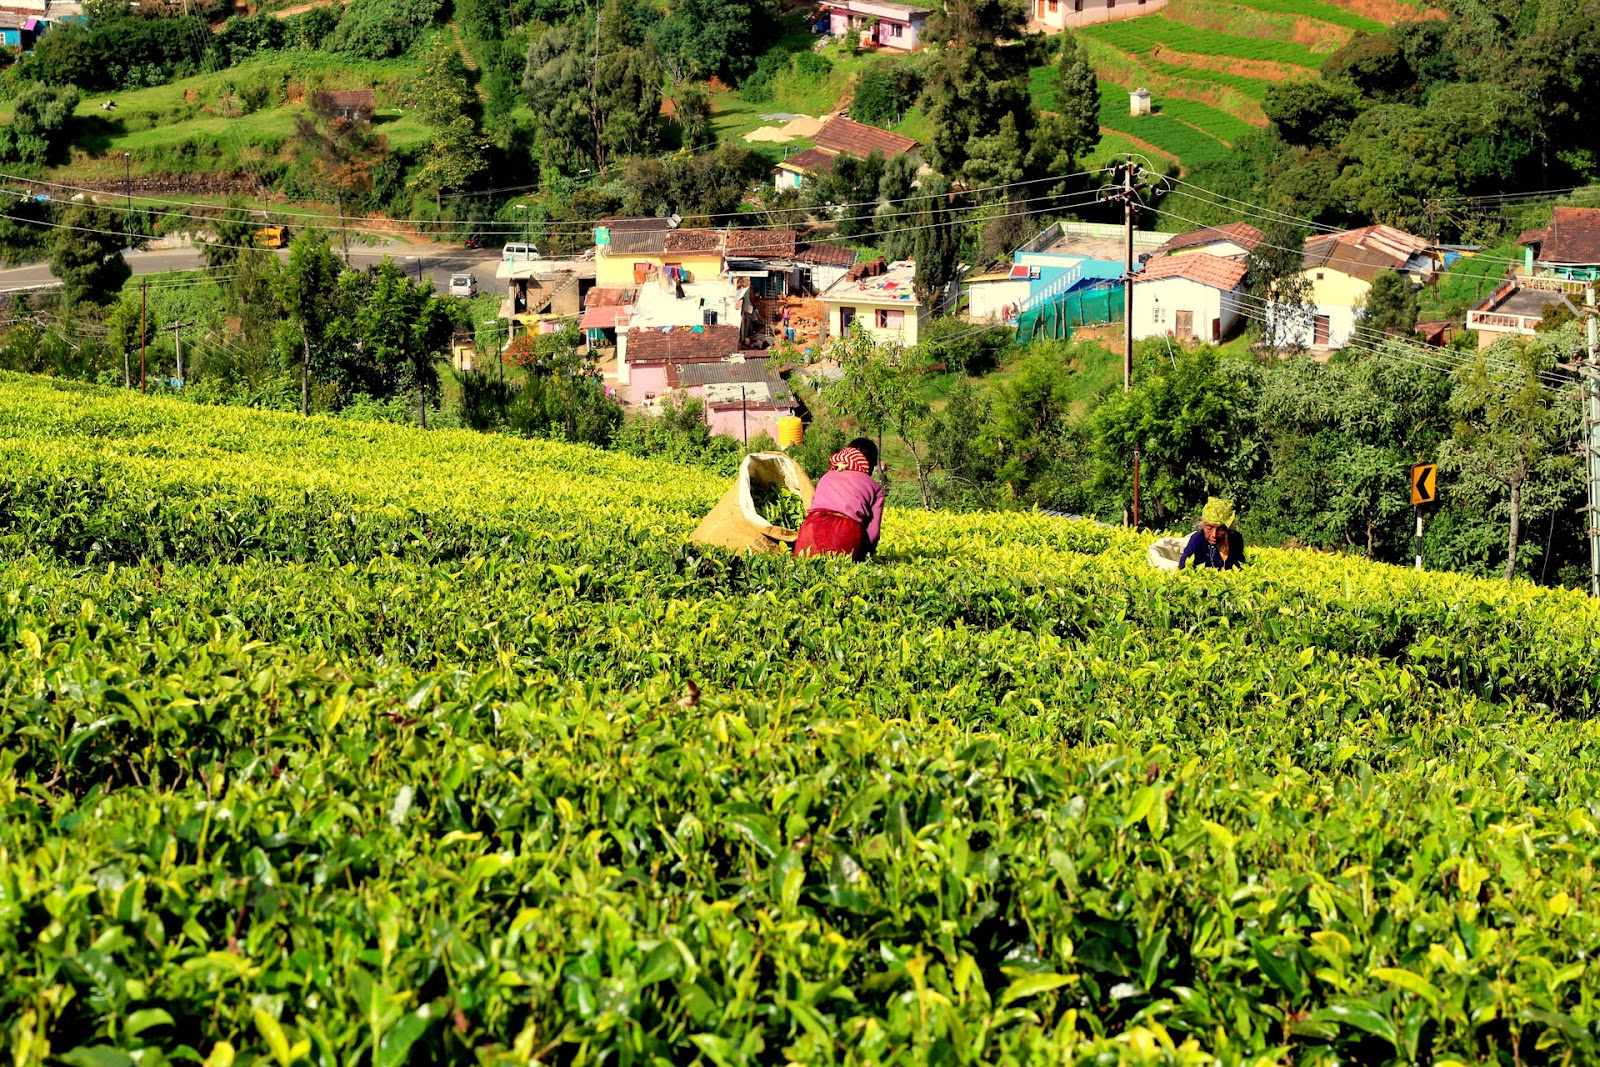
1195, 297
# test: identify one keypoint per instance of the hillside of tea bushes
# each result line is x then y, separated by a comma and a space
336, 743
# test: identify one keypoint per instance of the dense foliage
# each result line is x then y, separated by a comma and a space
325, 743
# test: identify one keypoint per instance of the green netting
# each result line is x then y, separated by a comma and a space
1054, 321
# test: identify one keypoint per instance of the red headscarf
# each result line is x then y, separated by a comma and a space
850, 459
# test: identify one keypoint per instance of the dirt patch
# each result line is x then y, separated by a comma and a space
1389, 10
1260, 69
768, 133
802, 127
300, 9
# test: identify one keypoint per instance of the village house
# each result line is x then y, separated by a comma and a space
874, 23
880, 299
645, 355
839, 137
1235, 240
1053, 16
1339, 268
1068, 274
352, 104
1561, 260
1194, 297
743, 397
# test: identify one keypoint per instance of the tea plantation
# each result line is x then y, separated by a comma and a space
335, 743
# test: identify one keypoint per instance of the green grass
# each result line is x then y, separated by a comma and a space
1471, 279
1142, 36
733, 116
1320, 10
1212, 120
1191, 146
228, 118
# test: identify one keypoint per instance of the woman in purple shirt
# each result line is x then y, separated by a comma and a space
846, 513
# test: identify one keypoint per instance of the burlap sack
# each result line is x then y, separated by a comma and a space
735, 523
1165, 553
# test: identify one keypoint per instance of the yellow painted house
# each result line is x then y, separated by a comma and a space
880, 299
630, 255
1340, 268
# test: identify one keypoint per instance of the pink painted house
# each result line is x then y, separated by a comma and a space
645, 356
880, 23
743, 398
1053, 16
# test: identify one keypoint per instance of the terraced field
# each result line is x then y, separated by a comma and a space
1208, 64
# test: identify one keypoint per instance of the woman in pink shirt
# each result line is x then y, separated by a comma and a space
846, 514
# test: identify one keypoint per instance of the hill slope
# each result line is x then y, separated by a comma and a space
321, 736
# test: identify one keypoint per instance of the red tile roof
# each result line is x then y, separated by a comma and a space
1363, 252
1202, 267
682, 344
811, 161
1242, 234
840, 135
1574, 237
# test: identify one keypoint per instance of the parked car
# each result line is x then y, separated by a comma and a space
463, 285
514, 253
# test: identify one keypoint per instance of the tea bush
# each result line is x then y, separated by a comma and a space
330, 743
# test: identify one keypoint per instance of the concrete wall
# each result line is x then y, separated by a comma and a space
731, 421
1064, 16
907, 333
616, 271
986, 299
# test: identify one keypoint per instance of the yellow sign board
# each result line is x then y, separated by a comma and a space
1424, 483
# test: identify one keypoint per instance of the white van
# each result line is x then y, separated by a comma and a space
463, 285
515, 253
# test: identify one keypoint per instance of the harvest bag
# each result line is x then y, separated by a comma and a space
1165, 553
735, 523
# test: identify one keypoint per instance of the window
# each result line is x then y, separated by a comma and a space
708, 317
847, 318
1077, 5
891, 320
1055, 5
896, 30
1320, 275
1158, 314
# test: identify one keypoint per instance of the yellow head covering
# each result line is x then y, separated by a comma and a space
1219, 512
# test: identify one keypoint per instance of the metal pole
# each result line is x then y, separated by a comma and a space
127, 179
177, 339
1592, 515
1127, 285
1418, 509
1135, 488
141, 335
744, 415
1127, 316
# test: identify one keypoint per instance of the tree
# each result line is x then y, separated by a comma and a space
36, 134
86, 256
405, 326
307, 288
1509, 423
453, 155
880, 389
1390, 305
1312, 112
1275, 277
1194, 421
341, 151
556, 83
702, 38
1069, 134
977, 78
936, 244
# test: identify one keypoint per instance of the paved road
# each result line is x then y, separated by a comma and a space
437, 262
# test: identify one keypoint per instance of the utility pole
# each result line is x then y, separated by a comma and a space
1592, 419
142, 286
127, 179
177, 339
1129, 199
